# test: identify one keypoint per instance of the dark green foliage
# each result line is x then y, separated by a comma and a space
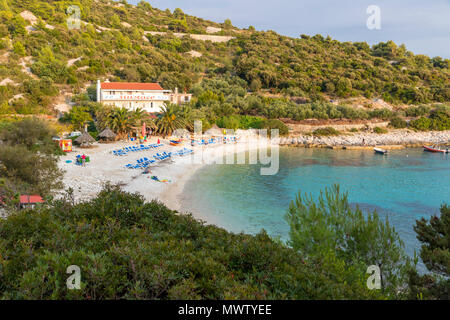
422, 124
398, 123
329, 131
329, 227
435, 238
170, 119
417, 111
274, 124
434, 234
29, 172
311, 68
49, 66
27, 159
380, 130
129, 249
78, 116
439, 119
33, 134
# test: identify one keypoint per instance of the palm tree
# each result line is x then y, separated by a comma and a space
138, 115
120, 120
170, 119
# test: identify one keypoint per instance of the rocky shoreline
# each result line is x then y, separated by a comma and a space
395, 139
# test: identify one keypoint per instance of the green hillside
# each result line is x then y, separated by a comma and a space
114, 42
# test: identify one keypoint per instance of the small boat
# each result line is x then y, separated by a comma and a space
435, 149
380, 151
175, 142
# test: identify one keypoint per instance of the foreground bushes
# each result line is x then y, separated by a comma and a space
130, 249
330, 231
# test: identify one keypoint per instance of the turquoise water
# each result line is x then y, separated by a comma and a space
405, 185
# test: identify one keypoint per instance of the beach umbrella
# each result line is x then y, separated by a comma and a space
144, 131
107, 134
85, 139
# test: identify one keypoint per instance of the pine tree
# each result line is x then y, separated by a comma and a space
434, 234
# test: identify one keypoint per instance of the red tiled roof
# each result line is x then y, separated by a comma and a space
130, 86
26, 199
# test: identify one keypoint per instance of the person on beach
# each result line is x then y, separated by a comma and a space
147, 171
158, 141
364, 142
83, 160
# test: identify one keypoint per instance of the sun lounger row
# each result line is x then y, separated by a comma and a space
229, 139
183, 152
126, 150
207, 141
145, 162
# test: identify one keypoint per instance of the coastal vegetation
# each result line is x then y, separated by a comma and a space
131, 249
380, 130
434, 234
257, 73
127, 248
328, 131
329, 230
28, 160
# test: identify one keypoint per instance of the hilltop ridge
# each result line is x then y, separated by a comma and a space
41, 58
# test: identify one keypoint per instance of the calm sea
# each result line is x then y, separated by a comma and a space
404, 186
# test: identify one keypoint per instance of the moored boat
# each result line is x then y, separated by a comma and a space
175, 142
435, 149
380, 151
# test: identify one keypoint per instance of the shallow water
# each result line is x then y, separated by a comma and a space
404, 185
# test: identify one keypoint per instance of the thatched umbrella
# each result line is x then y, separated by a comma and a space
214, 131
107, 135
84, 139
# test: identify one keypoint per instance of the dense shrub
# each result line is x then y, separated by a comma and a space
434, 235
380, 130
129, 249
276, 125
330, 228
439, 120
417, 111
309, 69
398, 123
28, 162
329, 131
422, 124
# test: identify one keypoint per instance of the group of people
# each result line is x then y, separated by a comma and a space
81, 160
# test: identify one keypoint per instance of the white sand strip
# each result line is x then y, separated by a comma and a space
105, 167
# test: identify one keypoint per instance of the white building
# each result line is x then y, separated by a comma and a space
132, 95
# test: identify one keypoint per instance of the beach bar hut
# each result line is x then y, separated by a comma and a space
85, 140
65, 145
107, 135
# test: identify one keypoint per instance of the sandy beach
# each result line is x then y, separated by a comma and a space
105, 167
